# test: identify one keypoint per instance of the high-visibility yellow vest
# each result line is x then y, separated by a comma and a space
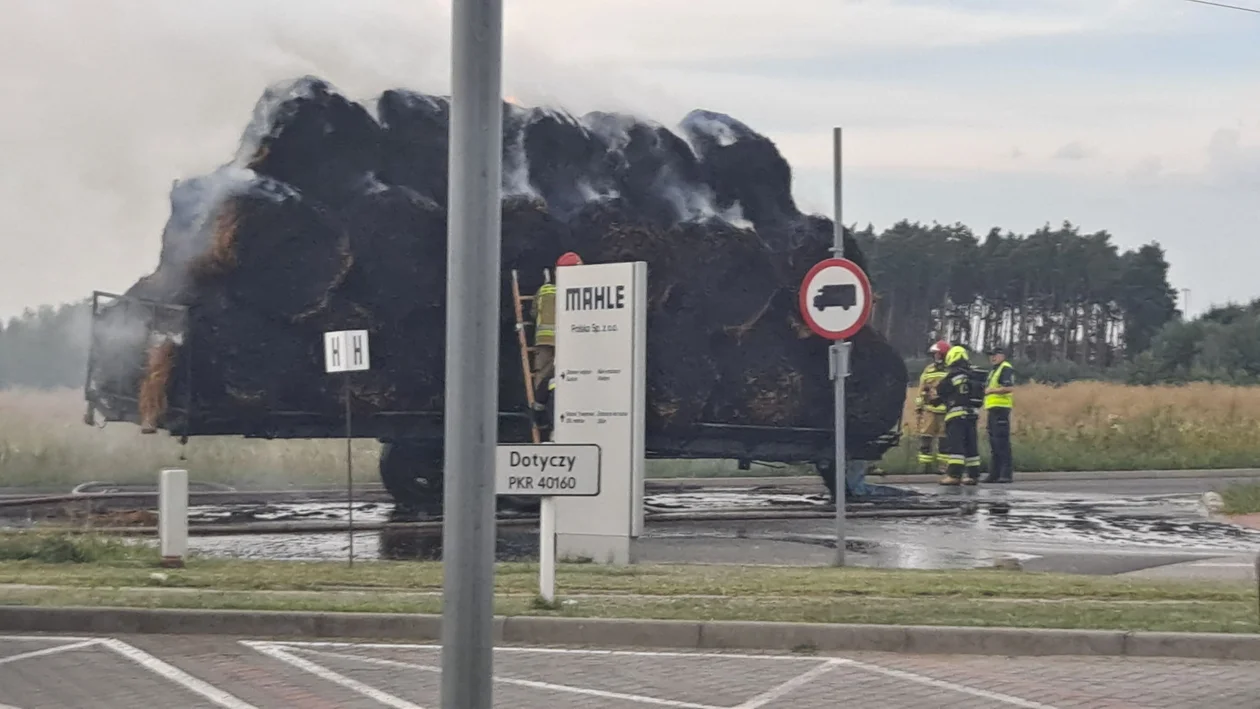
545, 315
995, 401
931, 376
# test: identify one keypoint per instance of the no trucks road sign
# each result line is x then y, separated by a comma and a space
836, 298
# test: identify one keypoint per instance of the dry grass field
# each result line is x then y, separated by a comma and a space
1103, 426
1080, 426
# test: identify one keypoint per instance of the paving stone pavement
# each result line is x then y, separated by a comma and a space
192, 672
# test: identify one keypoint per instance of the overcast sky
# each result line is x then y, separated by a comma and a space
1141, 117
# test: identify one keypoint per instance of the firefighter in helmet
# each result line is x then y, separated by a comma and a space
962, 395
931, 417
545, 345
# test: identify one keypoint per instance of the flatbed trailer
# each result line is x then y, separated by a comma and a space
411, 459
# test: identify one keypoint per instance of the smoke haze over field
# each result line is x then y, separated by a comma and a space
1137, 117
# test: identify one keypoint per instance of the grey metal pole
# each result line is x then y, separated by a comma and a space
472, 350
345, 389
840, 361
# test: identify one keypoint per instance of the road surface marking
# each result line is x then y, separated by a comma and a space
791, 685
923, 679
548, 686
46, 651
174, 674
543, 650
328, 675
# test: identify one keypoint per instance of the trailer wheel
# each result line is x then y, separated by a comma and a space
412, 474
827, 469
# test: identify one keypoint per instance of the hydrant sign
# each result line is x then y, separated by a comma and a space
547, 470
836, 298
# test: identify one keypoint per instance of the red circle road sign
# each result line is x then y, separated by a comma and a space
836, 298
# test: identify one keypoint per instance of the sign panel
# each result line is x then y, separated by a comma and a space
836, 298
599, 399
346, 351
547, 470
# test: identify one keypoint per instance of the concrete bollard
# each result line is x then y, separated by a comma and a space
173, 516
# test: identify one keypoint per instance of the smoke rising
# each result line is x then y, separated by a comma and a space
119, 99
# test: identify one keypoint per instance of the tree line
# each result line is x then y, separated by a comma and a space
1067, 305
1053, 295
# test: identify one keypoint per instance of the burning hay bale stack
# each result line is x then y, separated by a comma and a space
330, 218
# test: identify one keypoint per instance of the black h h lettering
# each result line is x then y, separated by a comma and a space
358, 350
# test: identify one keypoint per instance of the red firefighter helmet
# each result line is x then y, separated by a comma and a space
939, 348
569, 258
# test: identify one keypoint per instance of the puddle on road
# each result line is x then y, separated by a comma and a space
1009, 522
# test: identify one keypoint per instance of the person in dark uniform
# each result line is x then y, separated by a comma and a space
961, 396
998, 402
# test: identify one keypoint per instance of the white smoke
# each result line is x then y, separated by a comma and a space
106, 103
515, 161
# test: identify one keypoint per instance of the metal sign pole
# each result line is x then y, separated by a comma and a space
472, 353
547, 549
839, 365
349, 468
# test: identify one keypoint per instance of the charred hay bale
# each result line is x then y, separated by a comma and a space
532, 240
762, 377
306, 134
408, 363
681, 371
398, 240
874, 390
154, 387
732, 268
743, 167
568, 165
275, 255
415, 143
248, 363
654, 170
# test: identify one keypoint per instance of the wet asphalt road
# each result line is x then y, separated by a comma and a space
1103, 527
192, 672
1091, 526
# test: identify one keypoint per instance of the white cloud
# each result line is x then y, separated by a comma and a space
108, 101
1075, 150
668, 30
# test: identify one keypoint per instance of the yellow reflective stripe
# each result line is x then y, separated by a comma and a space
545, 315
993, 401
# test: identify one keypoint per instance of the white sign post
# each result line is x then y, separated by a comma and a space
547, 470
836, 302
346, 351
601, 353
173, 516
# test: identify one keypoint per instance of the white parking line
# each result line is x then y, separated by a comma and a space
46, 651
532, 684
822, 666
541, 650
389, 700
791, 685
129, 652
922, 679
174, 674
